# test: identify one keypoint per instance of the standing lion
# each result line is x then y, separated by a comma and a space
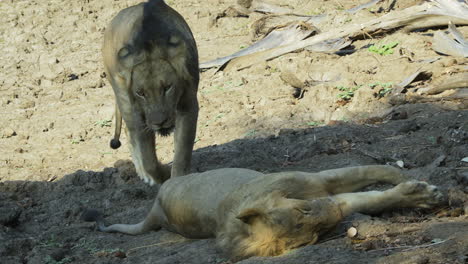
151, 61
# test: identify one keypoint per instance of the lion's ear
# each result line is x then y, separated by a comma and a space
249, 215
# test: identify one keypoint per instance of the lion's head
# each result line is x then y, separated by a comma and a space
274, 225
156, 78
156, 86
159, 65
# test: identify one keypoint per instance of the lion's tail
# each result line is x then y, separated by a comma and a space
115, 142
91, 215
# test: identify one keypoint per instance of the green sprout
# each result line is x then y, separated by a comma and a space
384, 49
385, 88
347, 92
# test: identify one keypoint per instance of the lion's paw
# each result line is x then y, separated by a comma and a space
419, 194
146, 177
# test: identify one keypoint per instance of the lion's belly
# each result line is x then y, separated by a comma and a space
190, 202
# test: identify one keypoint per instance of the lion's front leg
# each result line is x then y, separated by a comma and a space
144, 154
351, 179
407, 194
184, 137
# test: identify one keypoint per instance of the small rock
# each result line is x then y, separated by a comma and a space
352, 232
72, 77
19, 150
8, 132
291, 79
400, 164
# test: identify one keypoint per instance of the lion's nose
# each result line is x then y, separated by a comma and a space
155, 127
157, 120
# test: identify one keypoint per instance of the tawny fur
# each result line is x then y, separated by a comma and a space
255, 214
151, 61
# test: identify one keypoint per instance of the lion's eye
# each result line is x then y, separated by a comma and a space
299, 226
140, 93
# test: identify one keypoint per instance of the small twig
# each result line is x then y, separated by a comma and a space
408, 248
367, 34
157, 244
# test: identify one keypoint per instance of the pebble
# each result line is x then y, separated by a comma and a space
8, 132
352, 232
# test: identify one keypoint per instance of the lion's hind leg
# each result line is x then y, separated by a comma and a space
352, 179
407, 194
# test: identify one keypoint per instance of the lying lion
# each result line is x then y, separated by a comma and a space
255, 214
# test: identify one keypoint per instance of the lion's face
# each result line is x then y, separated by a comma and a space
155, 79
301, 222
290, 224
156, 86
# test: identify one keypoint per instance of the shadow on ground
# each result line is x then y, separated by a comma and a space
39, 221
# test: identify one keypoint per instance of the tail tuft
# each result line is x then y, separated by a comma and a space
115, 143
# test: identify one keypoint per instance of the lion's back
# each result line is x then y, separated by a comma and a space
190, 201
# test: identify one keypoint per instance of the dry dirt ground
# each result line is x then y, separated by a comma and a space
57, 107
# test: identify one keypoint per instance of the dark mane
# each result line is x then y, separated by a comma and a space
159, 23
